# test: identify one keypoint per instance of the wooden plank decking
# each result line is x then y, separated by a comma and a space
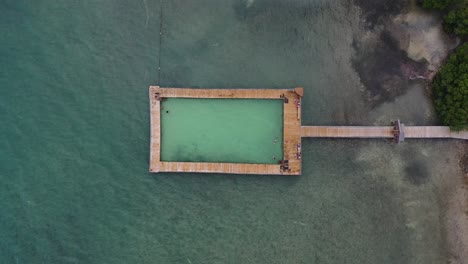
222, 93
155, 141
347, 131
380, 132
291, 131
433, 132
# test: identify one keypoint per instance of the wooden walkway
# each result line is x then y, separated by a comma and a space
291, 131
380, 132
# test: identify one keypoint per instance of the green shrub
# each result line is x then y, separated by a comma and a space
454, 14
450, 90
456, 22
436, 4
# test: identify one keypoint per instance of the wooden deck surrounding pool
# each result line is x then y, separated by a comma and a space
291, 131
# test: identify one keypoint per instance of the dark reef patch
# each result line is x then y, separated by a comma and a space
383, 66
384, 69
375, 11
417, 173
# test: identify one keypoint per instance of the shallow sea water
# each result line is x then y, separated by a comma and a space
222, 130
74, 148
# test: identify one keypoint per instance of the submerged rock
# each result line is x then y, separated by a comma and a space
400, 45
421, 36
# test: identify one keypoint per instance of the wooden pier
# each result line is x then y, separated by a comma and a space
292, 131
291, 164
380, 132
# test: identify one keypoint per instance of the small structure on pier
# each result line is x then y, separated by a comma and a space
398, 131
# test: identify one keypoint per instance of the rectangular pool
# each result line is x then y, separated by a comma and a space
222, 130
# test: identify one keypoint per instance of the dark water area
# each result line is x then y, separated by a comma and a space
383, 66
74, 181
375, 12
385, 69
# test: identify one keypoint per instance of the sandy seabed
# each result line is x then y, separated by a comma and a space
456, 217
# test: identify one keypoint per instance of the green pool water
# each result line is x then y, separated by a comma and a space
222, 130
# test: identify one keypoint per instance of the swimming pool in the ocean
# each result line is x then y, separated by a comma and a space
222, 130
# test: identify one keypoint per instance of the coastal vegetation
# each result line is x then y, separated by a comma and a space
450, 85
450, 90
454, 15
436, 4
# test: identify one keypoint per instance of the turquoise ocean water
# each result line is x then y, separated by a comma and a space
74, 146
